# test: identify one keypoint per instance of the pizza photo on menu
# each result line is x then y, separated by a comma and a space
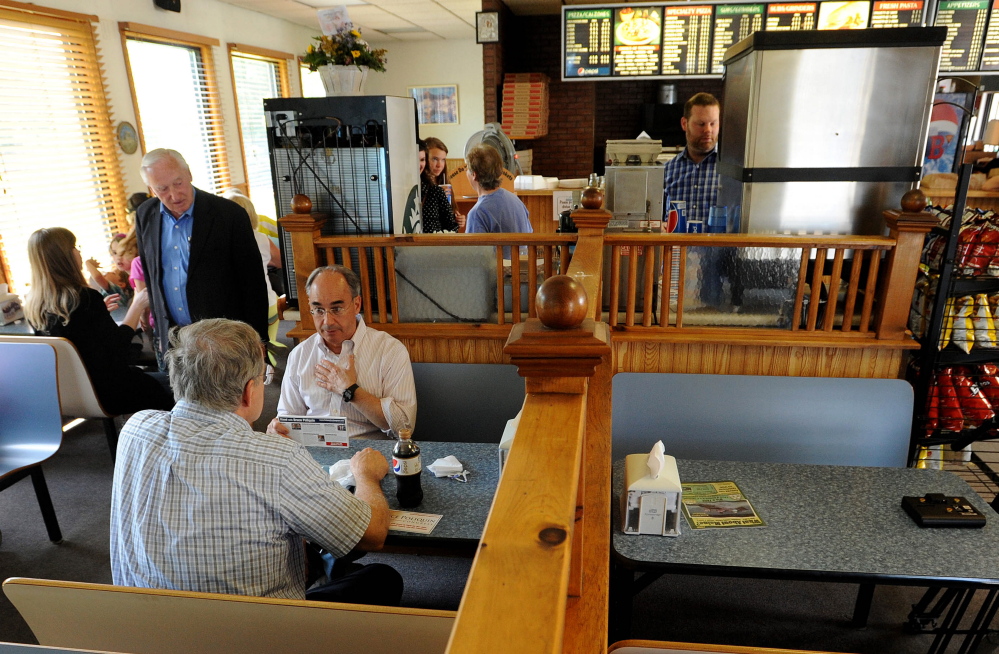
637, 26
844, 15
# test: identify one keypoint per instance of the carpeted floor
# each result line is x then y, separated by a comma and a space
693, 609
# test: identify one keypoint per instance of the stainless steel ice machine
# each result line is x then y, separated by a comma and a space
821, 131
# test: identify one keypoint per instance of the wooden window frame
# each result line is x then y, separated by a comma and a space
108, 183
205, 45
284, 82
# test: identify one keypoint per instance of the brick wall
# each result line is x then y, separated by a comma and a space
582, 115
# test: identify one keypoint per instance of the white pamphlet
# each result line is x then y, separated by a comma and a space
416, 523
325, 431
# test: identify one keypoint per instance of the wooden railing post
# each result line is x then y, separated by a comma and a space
533, 586
587, 262
304, 228
908, 228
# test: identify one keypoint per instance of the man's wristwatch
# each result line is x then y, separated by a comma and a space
348, 394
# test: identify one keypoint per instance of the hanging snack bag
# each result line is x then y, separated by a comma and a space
985, 329
988, 382
974, 406
948, 323
969, 260
932, 420
949, 407
963, 328
933, 250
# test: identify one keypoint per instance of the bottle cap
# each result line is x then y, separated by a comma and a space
405, 434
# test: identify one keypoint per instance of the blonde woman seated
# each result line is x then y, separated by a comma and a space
61, 304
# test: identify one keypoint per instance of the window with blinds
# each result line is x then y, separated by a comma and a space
312, 83
257, 74
59, 165
176, 96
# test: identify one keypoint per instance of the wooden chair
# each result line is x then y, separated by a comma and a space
666, 647
150, 621
77, 396
30, 425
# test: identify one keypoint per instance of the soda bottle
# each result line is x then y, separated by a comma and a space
407, 468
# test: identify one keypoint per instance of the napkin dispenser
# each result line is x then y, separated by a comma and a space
10, 306
650, 503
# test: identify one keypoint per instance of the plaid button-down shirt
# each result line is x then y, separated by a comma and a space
201, 502
694, 183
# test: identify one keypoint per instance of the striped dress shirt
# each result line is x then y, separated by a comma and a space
201, 502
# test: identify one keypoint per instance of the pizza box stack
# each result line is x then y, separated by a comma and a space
525, 105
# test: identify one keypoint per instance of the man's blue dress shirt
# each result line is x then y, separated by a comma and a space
175, 255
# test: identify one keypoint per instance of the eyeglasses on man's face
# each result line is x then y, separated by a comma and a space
320, 312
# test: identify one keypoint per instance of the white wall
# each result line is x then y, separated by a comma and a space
436, 63
203, 17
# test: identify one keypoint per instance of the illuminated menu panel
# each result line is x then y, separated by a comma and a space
686, 40
965, 23
588, 42
791, 16
897, 13
637, 39
844, 15
733, 23
990, 53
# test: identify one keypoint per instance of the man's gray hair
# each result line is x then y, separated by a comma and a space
211, 360
153, 157
353, 281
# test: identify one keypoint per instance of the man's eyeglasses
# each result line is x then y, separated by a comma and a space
320, 312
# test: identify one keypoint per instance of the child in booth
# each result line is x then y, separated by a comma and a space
116, 281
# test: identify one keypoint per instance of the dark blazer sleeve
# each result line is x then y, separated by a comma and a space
225, 277
147, 229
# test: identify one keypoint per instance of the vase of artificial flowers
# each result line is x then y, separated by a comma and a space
344, 60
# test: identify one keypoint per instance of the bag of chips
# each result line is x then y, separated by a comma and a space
963, 327
985, 329
975, 408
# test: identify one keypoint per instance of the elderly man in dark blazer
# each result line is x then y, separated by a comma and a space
197, 250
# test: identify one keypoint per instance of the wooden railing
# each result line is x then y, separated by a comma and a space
800, 259
540, 579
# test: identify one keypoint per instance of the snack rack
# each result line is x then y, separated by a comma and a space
955, 375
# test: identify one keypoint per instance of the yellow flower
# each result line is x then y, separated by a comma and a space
355, 53
311, 49
355, 33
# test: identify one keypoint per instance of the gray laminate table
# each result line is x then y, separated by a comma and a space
824, 523
464, 506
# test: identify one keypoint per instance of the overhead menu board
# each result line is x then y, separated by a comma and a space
793, 16
687, 40
588, 42
637, 41
732, 24
897, 13
990, 52
965, 21
690, 38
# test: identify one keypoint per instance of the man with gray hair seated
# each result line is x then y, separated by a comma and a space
201, 502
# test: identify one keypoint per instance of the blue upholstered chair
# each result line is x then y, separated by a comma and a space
30, 423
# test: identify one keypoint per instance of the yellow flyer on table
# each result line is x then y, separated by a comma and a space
717, 504
415, 523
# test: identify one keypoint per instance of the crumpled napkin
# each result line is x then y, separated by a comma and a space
340, 472
446, 467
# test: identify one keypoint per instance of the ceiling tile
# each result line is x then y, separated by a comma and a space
417, 36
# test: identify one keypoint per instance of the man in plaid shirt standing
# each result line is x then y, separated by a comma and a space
691, 177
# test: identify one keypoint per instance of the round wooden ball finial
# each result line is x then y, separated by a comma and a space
561, 302
301, 204
914, 201
593, 198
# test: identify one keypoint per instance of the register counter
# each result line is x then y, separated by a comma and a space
539, 207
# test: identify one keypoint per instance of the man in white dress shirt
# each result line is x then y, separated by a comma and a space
346, 368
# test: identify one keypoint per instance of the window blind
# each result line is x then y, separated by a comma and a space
176, 94
256, 77
59, 164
